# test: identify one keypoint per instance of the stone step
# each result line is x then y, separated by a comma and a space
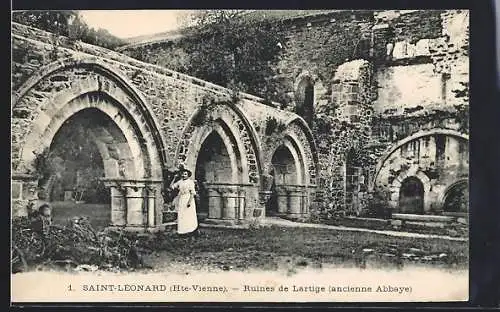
422, 218
425, 224
456, 214
369, 221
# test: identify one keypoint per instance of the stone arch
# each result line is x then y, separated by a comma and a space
291, 196
299, 131
396, 185
239, 169
68, 87
101, 78
305, 96
234, 198
288, 192
290, 148
119, 134
442, 199
239, 128
420, 134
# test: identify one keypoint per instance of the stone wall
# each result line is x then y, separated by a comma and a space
156, 107
422, 79
379, 78
417, 81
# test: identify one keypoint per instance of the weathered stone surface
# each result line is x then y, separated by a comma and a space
152, 123
375, 125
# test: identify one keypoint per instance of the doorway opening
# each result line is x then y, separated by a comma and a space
213, 165
411, 196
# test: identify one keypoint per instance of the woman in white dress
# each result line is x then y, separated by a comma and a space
187, 220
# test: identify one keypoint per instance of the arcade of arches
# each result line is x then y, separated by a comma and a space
101, 144
116, 128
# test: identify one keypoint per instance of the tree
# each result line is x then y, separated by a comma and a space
67, 23
227, 49
52, 21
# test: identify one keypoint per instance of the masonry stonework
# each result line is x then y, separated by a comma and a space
150, 129
389, 115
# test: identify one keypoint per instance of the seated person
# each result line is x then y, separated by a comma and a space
42, 221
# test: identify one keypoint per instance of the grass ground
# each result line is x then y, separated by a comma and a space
99, 214
272, 248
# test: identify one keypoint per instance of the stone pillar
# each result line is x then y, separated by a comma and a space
135, 205
229, 206
282, 195
240, 209
230, 202
214, 202
118, 206
151, 205
296, 200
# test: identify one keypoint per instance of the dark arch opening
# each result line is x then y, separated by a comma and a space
213, 165
305, 99
457, 198
74, 167
284, 173
411, 196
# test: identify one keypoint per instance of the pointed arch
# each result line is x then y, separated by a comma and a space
236, 125
105, 79
133, 146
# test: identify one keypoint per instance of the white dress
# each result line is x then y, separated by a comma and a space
187, 221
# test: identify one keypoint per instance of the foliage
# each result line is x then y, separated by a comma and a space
71, 150
273, 126
77, 244
323, 124
222, 47
52, 21
67, 23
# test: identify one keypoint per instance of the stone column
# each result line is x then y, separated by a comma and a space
230, 200
151, 205
241, 202
118, 206
282, 196
135, 205
214, 202
296, 195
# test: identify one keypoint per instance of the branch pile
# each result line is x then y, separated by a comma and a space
76, 245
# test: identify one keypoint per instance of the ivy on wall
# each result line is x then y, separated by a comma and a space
246, 54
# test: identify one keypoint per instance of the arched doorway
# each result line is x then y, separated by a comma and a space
218, 175
456, 198
73, 182
288, 196
411, 196
213, 166
284, 172
304, 98
112, 118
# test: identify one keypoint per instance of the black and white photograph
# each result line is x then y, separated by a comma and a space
229, 155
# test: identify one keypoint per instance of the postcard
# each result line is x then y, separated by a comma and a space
240, 156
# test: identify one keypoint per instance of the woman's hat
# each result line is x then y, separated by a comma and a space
185, 170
